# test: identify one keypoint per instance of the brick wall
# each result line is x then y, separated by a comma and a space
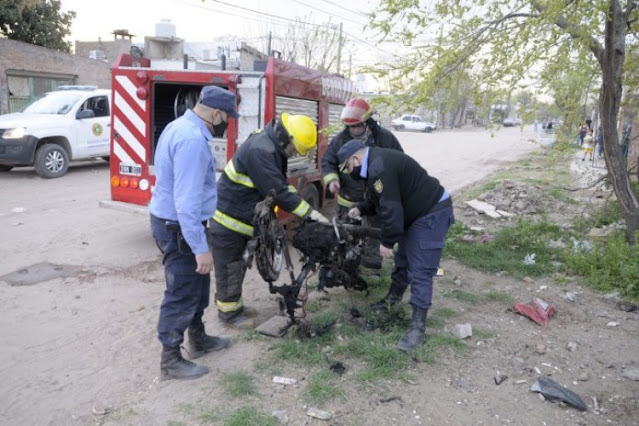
29, 60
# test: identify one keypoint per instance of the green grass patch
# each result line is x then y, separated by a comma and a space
463, 296
435, 343
249, 416
444, 313
498, 296
238, 384
482, 334
321, 388
509, 249
609, 267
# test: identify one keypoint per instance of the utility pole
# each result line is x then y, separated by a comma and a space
270, 37
350, 65
339, 49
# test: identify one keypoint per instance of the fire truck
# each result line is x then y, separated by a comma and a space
146, 99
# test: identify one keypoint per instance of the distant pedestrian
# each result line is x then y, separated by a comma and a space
587, 146
536, 124
582, 134
600, 142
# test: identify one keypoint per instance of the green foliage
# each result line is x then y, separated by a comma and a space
238, 384
607, 266
321, 387
249, 416
610, 266
509, 248
36, 22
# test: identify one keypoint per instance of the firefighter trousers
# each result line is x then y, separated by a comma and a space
186, 294
421, 248
228, 249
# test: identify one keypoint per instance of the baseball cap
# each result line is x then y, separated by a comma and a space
347, 150
218, 98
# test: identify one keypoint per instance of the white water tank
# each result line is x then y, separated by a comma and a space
165, 28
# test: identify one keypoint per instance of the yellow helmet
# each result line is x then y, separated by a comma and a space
302, 131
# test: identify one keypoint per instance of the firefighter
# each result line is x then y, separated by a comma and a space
183, 199
257, 168
359, 124
415, 211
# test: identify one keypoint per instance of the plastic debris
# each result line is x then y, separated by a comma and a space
284, 380
538, 311
529, 259
554, 391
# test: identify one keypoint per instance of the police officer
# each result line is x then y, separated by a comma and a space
183, 199
359, 124
257, 168
415, 211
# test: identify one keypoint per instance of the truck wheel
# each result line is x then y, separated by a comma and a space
51, 161
428, 129
5, 168
400, 127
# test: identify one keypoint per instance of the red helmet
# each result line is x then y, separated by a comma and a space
356, 111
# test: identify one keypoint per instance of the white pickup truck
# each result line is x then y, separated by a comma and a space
68, 124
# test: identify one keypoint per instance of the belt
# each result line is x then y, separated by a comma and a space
448, 202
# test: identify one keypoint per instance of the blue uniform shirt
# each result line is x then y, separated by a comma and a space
185, 178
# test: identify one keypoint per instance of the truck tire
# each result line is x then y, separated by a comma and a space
5, 168
51, 161
428, 129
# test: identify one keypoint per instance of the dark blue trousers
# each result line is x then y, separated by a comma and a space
187, 292
421, 250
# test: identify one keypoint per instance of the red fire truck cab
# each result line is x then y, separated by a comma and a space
146, 99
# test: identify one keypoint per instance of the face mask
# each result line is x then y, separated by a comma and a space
355, 173
219, 129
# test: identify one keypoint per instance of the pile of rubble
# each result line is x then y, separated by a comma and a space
511, 198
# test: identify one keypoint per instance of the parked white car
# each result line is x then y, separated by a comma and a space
63, 125
413, 122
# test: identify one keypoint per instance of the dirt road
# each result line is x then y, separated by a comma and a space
79, 338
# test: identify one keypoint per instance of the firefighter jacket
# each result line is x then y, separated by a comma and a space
258, 167
398, 190
352, 191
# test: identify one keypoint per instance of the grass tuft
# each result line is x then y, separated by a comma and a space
249, 416
238, 384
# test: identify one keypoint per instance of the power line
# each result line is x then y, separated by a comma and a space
345, 8
329, 13
282, 18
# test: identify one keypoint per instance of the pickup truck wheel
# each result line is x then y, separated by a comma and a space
5, 168
51, 161
428, 129
400, 127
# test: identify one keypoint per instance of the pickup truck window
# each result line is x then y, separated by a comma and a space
98, 104
58, 103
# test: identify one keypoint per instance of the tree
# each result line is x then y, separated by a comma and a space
39, 22
312, 45
506, 42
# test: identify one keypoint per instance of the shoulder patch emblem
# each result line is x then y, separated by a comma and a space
378, 186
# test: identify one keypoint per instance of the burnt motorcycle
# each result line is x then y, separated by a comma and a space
333, 250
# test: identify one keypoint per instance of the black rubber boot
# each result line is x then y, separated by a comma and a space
173, 366
393, 297
416, 331
201, 343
